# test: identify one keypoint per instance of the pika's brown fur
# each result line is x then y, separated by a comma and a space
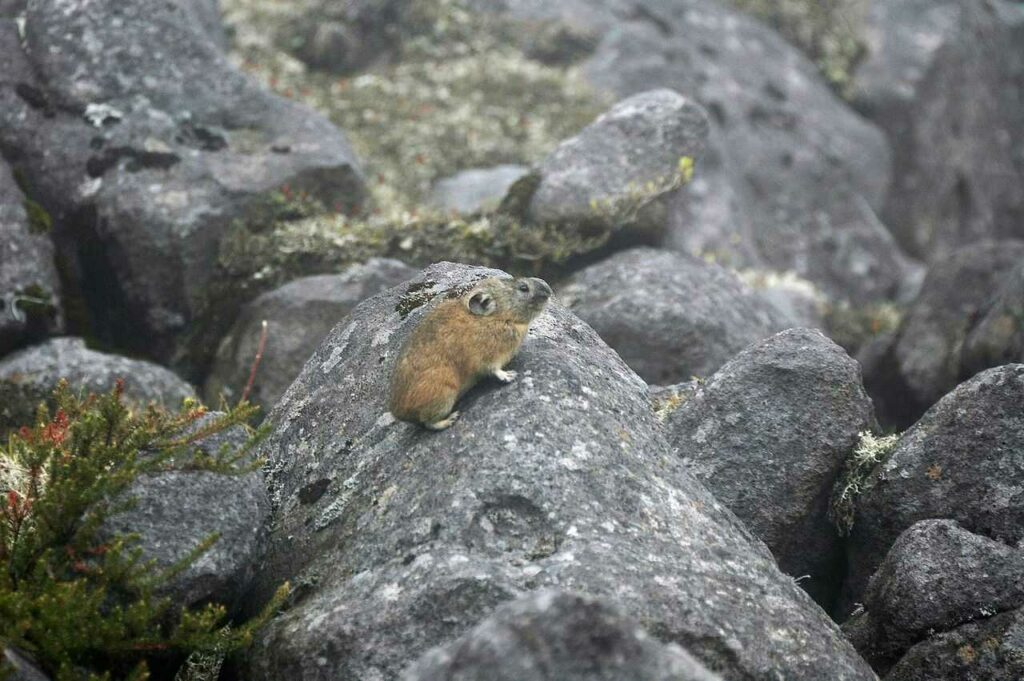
459, 342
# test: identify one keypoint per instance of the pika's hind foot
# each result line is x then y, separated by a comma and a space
505, 376
443, 423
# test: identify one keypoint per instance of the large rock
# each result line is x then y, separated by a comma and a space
998, 337
670, 316
29, 286
176, 511
134, 131
925, 358
961, 461
558, 636
936, 577
945, 79
631, 154
29, 377
989, 650
767, 434
794, 177
399, 540
299, 315
475, 189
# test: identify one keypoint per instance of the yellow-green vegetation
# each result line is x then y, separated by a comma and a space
83, 604
458, 94
670, 400
39, 221
828, 31
852, 327
871, 451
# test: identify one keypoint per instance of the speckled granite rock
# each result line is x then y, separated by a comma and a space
29, 376
767, 434
399, 539
558, 636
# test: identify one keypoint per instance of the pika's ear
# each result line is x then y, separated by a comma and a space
481, 303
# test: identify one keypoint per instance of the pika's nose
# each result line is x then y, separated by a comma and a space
540, 288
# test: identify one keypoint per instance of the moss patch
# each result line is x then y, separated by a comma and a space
853, 327
871, 452
39, 221
457, 94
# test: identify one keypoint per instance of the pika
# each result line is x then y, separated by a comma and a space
459, 342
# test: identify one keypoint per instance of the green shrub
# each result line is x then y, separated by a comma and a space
82, 606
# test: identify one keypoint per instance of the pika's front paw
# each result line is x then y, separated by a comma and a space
505, 376
443, 423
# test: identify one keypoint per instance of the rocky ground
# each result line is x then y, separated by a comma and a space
771, 427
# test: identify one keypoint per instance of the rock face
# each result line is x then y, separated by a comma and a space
29, 286
401, 539
177, 510
998, 338
558, 636
670, 316
299, 315
961, 461
475, 189
767, 434
133, 130
926, 357
633, 150
936, 577
793, 178
990, 649
19, 666
946, 81
29, 376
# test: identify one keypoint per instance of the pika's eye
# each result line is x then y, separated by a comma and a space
524, 287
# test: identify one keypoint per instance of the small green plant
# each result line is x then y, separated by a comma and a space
83, 604
39, 221
871, 451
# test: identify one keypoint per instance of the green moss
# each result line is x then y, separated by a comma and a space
871, 452
39, 221
853, 327
457, 95
35, 301
87, 606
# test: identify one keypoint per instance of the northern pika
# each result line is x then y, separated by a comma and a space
459, 342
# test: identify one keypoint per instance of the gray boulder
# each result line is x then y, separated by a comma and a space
132, 128
630, 155
29, 377
988, 650
936, 577
29, 286
299, 315
998, 337
767, 434
670, 316
176, 511
475, 189
558, 636
793, 177
399, 540
924, 360
945, 80
961, 461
